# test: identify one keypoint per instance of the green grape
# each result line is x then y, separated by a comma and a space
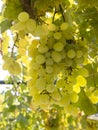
94, 99
57, 35
76, 88
63, 53
79, 53
71, 53
79, 61
60, 83
74, 97
50, 88
51, 27
47, 54
20, 26
31, 25
68, 62
56, 56
56, 95
23, 16
49, 61
64, 26
40, 84
23, 43
43, 48
7, 62
65, 100
44, 99
34, 65
58, 46
41, 72
51, 41
14, 68
40, 59
49, 69
81, 81
83, 71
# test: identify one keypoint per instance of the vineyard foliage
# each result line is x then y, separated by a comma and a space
50, 49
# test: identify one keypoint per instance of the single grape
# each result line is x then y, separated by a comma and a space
40, 59
64, 26
51, 27
30, 25
56, 56
58, 46
43, 48
57, 35
23, 16
49, 69
71, 53
74, 97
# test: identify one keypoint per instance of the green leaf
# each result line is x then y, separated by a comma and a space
4, 25
12, 9
85, 104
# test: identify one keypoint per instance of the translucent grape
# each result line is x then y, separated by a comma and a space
49, 69
40, 59
57, 35
40, 84
81, 81
71, 53
56, 56
49, 61
74, 97
31, 25
64, 26
58, 46
43, 48
23, 16
52, 27
79, 53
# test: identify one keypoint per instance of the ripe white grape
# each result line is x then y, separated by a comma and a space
57, 35
49, 61
23, 43
40, 59
64, 26
51, 27
43, 48
49, 69
71, 53
31, 25
40, 84
56, 95
44, 99
56, 56
81, 81
58, 46
79, 53
23, 16
74, 97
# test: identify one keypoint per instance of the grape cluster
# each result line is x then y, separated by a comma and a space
55, 66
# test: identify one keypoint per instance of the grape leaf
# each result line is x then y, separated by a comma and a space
12, 9
4, 25
85, 104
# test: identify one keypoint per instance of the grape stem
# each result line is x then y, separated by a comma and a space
62, 12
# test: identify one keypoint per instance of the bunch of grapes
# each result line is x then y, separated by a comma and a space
55, 62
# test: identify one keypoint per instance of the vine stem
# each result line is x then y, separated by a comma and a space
28, 6
62, 12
